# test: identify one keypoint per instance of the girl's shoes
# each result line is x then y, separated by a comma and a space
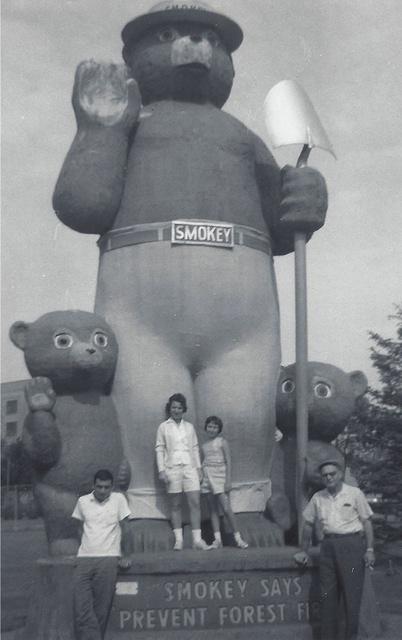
201, 545
240, 543
217, 544
178, 545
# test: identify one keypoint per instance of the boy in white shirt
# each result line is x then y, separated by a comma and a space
102, 514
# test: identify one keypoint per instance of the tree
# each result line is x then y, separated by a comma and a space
16, 480
387, 359
372, 441
16, 468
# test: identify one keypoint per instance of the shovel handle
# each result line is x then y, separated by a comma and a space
301, 372
301, 357
303, 157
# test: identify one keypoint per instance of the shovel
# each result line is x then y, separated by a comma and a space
291, 119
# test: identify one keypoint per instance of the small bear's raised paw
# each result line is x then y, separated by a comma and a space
40, 394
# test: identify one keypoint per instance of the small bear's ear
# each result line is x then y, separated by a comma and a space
359, 383
18, 334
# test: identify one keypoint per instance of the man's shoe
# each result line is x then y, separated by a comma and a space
201, 545
178, 545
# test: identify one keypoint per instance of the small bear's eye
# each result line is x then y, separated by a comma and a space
100, 339
212, 38
322, 390
288, 386
63, 341
167, 34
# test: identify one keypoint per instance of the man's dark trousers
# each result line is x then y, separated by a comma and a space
94, 587
341, 573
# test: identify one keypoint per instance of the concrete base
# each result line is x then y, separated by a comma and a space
187, 595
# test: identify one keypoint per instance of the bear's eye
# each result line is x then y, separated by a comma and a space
288, 386
212, 38
322, 390
167, 34
100, 339
63, 341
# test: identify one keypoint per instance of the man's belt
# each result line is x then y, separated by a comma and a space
193, 232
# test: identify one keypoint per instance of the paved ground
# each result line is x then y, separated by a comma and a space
24, 543
21, 546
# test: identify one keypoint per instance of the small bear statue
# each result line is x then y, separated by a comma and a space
332, 397
71, 429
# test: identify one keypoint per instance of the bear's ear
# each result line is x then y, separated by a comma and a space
359, 383
18, 334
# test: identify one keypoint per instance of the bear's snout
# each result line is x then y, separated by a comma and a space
192, 50
86, 356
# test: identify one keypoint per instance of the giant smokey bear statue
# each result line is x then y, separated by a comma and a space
193, 304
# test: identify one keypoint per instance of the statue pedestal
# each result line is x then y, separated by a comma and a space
187, 595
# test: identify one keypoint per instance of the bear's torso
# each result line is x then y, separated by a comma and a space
190, 161
90, 437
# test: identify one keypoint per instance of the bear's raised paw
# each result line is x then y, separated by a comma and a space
104, 94
40, 394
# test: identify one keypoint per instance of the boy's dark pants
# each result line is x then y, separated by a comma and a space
341, 573
94, 587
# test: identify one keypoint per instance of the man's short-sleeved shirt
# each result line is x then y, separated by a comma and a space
102, 534
342, 513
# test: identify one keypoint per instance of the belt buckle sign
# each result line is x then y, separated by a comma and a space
216, 234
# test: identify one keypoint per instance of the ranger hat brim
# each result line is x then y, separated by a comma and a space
168, 12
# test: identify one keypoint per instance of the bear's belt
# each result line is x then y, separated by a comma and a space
193, 232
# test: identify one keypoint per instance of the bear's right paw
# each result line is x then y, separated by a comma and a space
124, 475
40, 394
104, 94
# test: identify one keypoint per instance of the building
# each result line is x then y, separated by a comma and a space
13, 410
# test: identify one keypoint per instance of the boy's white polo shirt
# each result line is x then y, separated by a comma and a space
102, 534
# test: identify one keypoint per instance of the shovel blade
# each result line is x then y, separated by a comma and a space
290, 118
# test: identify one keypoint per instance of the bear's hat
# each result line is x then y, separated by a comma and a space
167, 12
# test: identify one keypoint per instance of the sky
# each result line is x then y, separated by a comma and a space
347, 56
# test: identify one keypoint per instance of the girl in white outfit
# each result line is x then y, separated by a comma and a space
179, 467
216, 483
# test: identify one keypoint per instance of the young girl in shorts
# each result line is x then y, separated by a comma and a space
216, 482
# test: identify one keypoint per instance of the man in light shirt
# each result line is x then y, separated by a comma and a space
102, 514
179, 467
344, 516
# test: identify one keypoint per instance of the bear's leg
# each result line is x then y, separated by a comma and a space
62, 530
239, 386
278, 506
141, 391
142, 387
